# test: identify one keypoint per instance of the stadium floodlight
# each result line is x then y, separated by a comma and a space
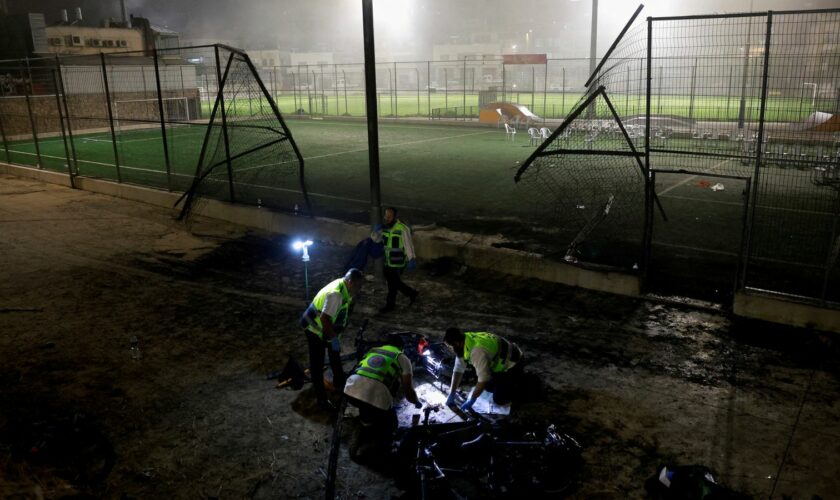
304, 245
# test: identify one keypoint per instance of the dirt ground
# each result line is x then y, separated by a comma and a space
215, 308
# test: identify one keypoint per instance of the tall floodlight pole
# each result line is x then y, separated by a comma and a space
373, 126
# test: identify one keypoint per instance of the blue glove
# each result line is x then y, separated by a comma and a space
377, 228
335, 344
412, 265
418, 405
451, 399
468, 405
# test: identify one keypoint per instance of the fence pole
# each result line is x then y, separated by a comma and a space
728, 93
429, 88
221, 100
206, 88
396, 92
758, 146
641, 72
34, 130
110, 115
627, 97
344, 76
533, 84
445, 88
464, 84
294, 91
63, 132
563, 98
693, 83
417, 71
504, 85
545, 90
162, 121
5, 142
308, 90
659, 94
67, 114
650, 178
250, 107
335, 84
742, 107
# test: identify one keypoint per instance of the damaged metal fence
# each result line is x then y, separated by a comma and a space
738, 145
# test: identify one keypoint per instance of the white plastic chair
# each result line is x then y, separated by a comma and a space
510, 132
544, 133
534, 136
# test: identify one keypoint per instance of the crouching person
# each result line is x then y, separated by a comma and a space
498, 365
372, 388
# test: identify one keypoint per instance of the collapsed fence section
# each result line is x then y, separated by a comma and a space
146, 118
739, 135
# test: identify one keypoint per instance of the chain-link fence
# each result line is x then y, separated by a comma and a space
153, 118
427, 89
738, 144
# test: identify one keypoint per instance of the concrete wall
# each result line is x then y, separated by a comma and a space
778, 310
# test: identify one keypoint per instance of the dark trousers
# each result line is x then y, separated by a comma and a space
384, 421
505, 386
395, 284
367, 248
316, 365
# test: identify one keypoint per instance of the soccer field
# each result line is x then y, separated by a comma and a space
431, 166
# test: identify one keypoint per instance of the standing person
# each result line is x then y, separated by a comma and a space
323, 321
399, 255
497, 361
372, 388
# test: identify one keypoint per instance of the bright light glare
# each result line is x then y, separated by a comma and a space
300, 245
394, 18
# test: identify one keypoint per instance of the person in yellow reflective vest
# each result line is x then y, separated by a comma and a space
399, 256
323, 321
374, 383
498, 365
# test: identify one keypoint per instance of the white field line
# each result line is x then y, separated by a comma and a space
362, 150
128, 167
734, 254
690, 178
763, 207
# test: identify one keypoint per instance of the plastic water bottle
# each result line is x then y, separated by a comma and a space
134, 348
297, 209
259, 202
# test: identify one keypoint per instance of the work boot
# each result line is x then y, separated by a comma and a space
388, 308
413, 297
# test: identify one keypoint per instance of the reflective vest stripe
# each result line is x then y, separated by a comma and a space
395, 245
312, 315
381, 364
489, 342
